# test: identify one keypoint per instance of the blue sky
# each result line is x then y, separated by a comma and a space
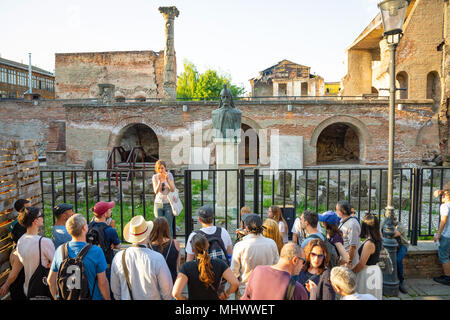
236, 37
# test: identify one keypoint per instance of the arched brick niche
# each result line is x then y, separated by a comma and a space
342, 139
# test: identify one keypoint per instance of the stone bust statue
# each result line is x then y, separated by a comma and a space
226, 120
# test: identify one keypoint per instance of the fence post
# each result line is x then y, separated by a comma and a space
241, 190
187, 205
256, 191
416, 173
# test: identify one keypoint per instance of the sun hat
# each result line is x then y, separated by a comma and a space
137, 230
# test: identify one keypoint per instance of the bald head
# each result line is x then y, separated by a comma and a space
291, 250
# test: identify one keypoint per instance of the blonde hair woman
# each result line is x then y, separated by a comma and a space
275, 214
271, 230
163, 183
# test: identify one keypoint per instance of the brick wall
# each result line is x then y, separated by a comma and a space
77, 74
416, 130
422, 265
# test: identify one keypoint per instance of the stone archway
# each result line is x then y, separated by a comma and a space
350, 133
133, 132
249, 149
337, 143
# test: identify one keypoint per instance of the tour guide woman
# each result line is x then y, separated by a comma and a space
163, 183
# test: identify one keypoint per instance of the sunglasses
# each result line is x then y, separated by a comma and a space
314, 255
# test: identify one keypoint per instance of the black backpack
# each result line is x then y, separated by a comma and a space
96, 237
71, 281
216, 245
38, 288
334, 255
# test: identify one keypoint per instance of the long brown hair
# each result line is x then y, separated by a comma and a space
278, 216
309, 247
200, 245
332, 229
370, 227
159, 232
271, 230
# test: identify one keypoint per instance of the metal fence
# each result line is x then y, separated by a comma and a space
294, 190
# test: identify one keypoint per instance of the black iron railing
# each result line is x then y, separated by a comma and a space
228, 190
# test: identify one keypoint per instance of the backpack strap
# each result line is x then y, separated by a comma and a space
40, 256
127, 275
290, 289
313, 236
65, 251
168, 250
83, 252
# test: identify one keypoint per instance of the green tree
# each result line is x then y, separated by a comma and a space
192, 84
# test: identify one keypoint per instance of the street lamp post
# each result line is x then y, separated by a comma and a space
393, 14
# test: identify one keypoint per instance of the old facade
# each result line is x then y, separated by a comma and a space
287, 79
422, 61
14, 80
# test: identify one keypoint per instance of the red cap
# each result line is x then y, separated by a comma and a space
101, 207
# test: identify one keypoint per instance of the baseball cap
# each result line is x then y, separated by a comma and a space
205, 212
101, 207
329, 217
61, 208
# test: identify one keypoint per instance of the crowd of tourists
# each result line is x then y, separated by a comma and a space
326, 258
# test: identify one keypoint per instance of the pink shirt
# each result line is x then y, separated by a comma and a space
267, 283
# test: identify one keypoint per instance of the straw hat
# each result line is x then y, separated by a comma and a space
137, 230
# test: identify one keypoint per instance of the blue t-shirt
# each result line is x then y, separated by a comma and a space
60, 235
94, 262
310, 237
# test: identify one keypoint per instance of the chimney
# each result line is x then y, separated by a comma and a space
170, 75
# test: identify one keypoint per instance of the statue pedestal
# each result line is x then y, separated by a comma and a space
227, 157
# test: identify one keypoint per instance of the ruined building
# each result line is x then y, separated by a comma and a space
109, 101
287, 78
422, 61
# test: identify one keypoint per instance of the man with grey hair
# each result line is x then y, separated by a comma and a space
94, 261
271, 282
253, 250
343, 281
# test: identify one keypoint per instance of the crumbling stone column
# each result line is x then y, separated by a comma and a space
170, 75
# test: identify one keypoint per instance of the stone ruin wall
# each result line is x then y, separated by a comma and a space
133, 73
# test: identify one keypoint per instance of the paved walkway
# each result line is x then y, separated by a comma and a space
423, 289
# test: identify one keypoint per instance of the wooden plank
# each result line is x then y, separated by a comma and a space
8, 170
8, 187
7, 204
7, 195
7, 216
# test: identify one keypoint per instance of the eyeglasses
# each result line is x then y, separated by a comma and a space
302, 259
314, 255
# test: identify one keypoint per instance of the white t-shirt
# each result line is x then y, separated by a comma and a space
297, 229
210, 230
359, 296
28, 252
444, 210
351, 230
283, 231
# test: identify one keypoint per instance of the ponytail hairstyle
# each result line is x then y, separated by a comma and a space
200, 245
254, 223
28, 215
